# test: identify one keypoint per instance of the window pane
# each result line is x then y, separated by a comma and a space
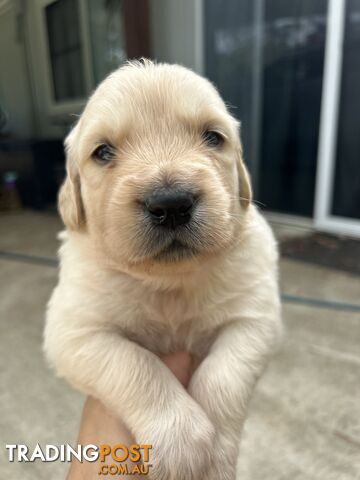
62, 19
107, 36
346, 198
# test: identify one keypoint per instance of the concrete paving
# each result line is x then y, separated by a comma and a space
304, 419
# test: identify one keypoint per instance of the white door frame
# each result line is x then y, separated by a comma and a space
323, 218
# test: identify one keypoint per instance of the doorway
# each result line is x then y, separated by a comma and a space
337, 207
267, 58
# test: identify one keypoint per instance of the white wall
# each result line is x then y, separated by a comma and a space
15, 95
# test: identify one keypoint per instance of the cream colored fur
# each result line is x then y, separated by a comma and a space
117, 307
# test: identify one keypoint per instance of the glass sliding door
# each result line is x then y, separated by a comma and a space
267, 57
293, 58
230, 56
338, 180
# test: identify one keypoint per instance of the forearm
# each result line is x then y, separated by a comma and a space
108, 366
224, 381
98, 426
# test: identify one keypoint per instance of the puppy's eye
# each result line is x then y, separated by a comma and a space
103, 154
212, 139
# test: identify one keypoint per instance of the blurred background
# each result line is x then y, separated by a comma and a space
290, 72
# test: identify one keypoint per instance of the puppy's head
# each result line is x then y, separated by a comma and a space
155, 171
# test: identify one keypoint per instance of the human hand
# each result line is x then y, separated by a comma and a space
99, 426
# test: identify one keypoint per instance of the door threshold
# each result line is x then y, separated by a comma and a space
288, 226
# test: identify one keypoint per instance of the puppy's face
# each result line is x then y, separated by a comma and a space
155, 174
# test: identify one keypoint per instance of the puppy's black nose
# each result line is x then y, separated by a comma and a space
170, 208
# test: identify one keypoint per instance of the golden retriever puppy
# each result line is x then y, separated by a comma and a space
164, 252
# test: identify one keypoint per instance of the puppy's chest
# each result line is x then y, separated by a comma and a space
167, 323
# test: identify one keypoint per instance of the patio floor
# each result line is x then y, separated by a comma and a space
304, 420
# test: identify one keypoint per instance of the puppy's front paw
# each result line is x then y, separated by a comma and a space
221, 472
182, 444
224, 461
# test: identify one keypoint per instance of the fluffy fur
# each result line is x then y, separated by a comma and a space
121, 301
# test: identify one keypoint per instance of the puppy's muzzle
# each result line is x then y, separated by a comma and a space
169, 207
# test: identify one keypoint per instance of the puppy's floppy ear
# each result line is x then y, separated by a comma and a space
245, 190
70, 201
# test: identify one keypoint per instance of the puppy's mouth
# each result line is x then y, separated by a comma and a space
175, 251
